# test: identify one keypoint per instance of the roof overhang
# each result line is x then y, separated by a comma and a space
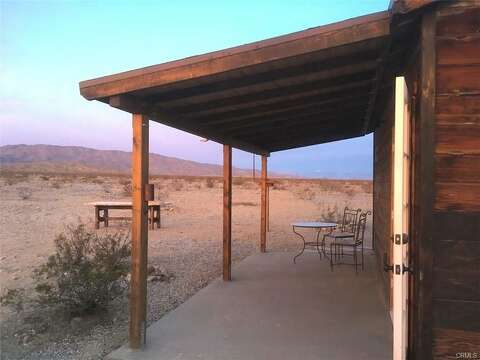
304, 88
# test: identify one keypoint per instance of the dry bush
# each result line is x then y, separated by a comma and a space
332, 214
56, 185
280, 185
13, 298
306, 194
177, 184
86, 271
210, 183
349, 192
239, 181
24, 193
12, 178
98, 181
127, 188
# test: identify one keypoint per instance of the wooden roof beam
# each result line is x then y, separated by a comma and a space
305, 121
280, 95
155, 113
261, 78
313, 140
291, 116
271, 112
307, 41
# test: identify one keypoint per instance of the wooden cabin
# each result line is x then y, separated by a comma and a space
336, 82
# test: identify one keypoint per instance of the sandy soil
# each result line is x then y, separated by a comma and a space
34, 208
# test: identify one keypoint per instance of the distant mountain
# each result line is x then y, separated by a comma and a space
77, 159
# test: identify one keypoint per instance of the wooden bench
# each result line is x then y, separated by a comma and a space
102, 214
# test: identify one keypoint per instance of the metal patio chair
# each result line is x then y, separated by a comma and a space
355, 242
346, 230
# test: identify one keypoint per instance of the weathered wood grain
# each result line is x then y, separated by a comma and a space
456, 285
458, 79
467, 105
463, 197
456, 226
463, 50
458, 139
455, 344
456, 314
459, 21
263, 211
138, 283
457, 168
227, 212
455, 255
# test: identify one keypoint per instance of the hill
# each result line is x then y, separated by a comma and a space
77, 159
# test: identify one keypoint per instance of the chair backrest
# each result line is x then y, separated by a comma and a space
350, 218
361, 224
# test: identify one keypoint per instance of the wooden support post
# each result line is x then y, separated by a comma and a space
263, 215
267, 216
227, 212
138, 282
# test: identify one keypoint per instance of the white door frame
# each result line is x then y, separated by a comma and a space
401, 218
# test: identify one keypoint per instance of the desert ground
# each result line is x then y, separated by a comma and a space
187, 249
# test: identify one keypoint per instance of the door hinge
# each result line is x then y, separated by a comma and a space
398, 239
401, 239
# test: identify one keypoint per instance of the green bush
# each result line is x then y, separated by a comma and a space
86, 271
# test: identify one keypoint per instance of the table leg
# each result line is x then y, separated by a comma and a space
97, 218
105, 217
315, 243
304, 244
318, 245
150, 214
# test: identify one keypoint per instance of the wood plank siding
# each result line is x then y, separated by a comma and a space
456, 233
382, 194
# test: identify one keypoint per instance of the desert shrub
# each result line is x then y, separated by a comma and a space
210, 183
97, 180
332, 214
14, 298
24, 193
44, 177
280, 185
349, 192
239, 181
127, 188
56, 185
177, 185
86, 271
306, 194
14, 178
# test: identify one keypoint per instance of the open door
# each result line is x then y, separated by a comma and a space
401, 217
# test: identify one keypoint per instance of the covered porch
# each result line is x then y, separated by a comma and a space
274, 309
315, 86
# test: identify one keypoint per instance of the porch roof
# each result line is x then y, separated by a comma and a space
304, 88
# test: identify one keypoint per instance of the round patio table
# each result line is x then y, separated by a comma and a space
316, 225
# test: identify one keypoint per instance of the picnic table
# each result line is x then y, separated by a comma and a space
102, 212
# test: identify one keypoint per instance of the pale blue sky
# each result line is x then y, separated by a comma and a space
47, 47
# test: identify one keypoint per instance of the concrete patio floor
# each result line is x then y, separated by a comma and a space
274, 309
